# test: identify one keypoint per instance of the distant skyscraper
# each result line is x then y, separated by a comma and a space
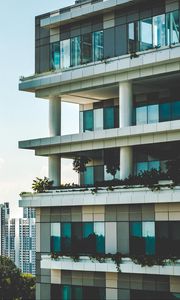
18, 238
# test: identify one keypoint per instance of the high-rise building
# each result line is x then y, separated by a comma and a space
119, 60
4, 216
18, 239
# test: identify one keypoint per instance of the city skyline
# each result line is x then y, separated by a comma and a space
17, 167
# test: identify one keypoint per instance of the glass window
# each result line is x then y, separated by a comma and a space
89, 238
141, 167
55, 291
164, 112
133, 37
146, 34
148, 232
77, 237
176, 110
100, 240
153, 113
86, 48
109, 121
55, 56
66, 237
76, 51
65, 292
162, 235
172, 27
141, 115
159, 31
98, 45
88, 120
65, 54
89, 175
77, 292
98, 119
55, 237
174, 238
136, 241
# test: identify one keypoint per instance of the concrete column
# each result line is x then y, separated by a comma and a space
55, 169
126, 162
125, 104
54, 116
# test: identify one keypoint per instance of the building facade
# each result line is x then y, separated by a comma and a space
120, 62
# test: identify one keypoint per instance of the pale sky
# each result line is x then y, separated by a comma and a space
21, 115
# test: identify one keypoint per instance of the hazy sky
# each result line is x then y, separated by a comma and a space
21, 115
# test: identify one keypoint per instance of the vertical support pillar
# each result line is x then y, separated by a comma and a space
125, 120
126, 162
125, 104
55, 116
54, 167
54, 161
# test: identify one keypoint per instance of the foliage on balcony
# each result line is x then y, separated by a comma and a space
117, 258
40, 185
79, 164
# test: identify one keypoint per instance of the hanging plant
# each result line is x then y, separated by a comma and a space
79, 164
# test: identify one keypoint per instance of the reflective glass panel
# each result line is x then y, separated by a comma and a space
108, 117
75, 51
86, 48
77, 237
136, 240
65, 292
153, 113
55, 56
88, 120
159, 31
155, 164
66, 237
174, 237
100, 240
146, 34
55, 237
141, 167
148, 232
89, 238
162, 236
77, 293
133, 37
176, 110
98, 48
164, 112
172, 27
65, 54
89, 175
141, 115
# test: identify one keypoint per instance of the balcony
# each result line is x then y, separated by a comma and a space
110, 71
82, 197
127, 266
101, 139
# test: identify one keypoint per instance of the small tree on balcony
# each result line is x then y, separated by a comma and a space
79, 164
40, 185
111, 161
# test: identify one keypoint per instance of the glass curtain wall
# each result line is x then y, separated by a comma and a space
98, 47
65, 54
161, 112
86, 48
75, 51
78, 238
172, 27
73, 292
55, 56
